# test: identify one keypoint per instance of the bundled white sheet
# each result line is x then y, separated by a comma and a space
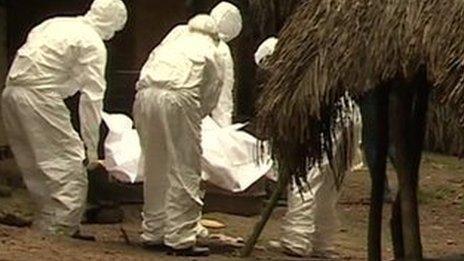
122, 148
229, 155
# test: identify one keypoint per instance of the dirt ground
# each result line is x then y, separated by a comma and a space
442, 219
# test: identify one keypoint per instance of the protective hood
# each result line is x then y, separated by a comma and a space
204, 24
265, 49
228, 20
107, 17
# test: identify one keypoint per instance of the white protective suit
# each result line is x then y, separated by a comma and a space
311, 222
222, 113
265, 49
178, 86
60, 57
310, 225
230, 25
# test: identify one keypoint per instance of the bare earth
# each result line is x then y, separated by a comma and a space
442, 220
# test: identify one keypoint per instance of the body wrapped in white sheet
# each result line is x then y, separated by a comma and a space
228, 160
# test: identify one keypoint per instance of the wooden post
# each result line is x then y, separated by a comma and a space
248, 248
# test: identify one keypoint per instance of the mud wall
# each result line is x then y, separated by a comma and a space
3, 62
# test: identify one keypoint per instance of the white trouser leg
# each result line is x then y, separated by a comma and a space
149, 125
170, 122
326, 219
50, 154
297, 228
311, 223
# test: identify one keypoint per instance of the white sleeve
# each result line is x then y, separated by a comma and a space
212, 83
91, 78
222, 114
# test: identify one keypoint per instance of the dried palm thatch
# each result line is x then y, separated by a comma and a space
333, 46
444, 133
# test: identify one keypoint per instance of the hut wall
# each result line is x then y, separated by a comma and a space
8, 170
3, 63
444, 133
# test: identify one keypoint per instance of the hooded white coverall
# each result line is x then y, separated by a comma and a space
229, 23
311, 222
179, 85
222, 113
60, 57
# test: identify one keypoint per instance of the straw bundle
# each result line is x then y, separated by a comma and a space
444, 133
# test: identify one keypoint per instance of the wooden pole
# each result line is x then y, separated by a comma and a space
251, 241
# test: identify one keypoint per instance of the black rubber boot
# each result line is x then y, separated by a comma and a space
156, 247
80, 236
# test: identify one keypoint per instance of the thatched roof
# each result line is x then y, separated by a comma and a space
330, 46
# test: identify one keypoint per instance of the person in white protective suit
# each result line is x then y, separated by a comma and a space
311, 222
229, 24
178, 86
61, 56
